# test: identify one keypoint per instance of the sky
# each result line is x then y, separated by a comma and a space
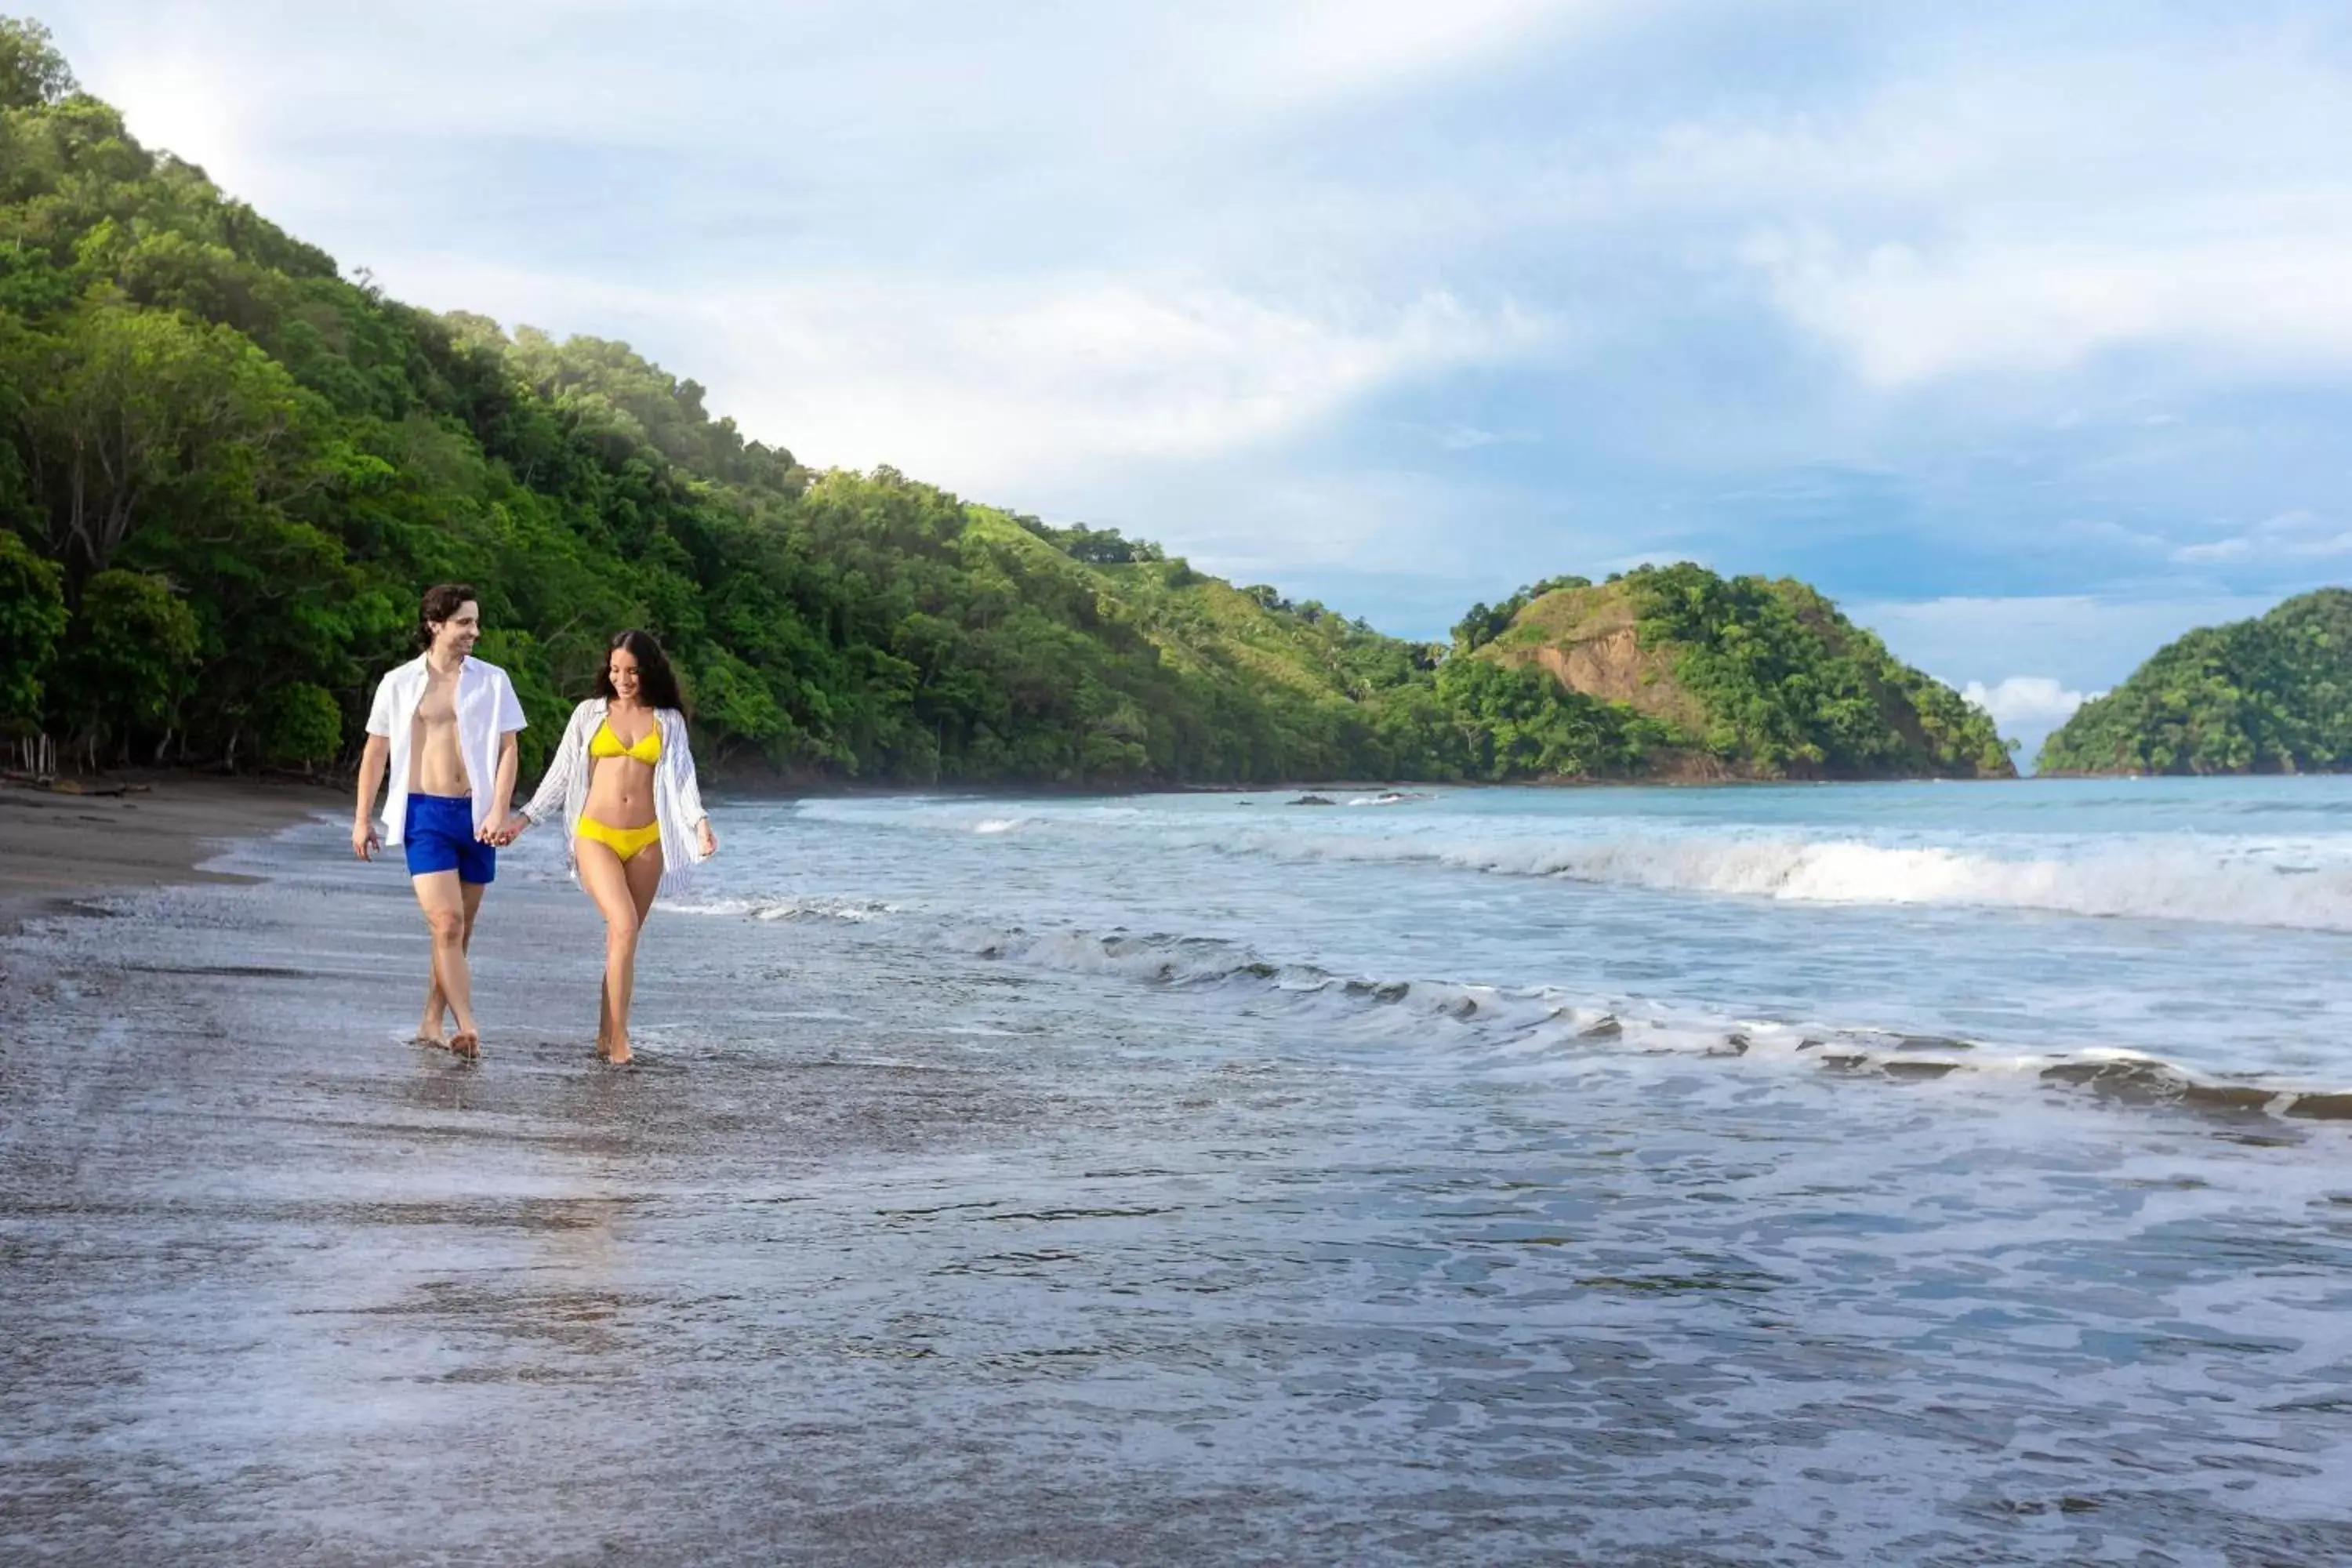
2022, 331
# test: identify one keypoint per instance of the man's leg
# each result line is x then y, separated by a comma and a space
443, 899
429, 1031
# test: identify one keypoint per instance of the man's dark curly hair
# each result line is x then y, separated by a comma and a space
442, 601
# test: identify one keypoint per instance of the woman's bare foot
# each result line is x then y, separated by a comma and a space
614, 1051
433, 1037
467, 1044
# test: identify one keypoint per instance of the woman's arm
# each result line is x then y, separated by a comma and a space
571, 752
689, 789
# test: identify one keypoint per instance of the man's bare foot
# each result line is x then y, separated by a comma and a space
466, 1043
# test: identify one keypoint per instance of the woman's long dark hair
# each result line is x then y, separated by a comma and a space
656, 681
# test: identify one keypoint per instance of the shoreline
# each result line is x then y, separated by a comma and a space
57, 847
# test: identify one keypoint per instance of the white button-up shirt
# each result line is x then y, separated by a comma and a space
488, 712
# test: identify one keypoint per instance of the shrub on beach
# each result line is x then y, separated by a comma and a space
301, 726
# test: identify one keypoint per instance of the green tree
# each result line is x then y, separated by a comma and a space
2268, 695
32, 72
128, 660
1790, 688
300, 725
32, 618
129, 404
1484, 623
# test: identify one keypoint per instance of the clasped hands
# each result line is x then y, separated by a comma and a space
513, 828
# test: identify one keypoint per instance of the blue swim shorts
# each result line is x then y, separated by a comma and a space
438, 833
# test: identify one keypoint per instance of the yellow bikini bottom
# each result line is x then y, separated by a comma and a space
626, 842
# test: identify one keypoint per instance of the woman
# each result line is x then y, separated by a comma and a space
624, 778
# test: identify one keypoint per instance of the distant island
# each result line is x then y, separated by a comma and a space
2271, 695
225, 471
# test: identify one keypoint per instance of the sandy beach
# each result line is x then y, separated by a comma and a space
923, 1237
57, 845
283, 1288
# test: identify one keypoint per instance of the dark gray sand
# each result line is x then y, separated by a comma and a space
57, 845
892, 1253
281, 1287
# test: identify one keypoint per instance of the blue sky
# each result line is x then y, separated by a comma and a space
2023, 330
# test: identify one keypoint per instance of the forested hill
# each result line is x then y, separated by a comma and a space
2270, 695
1699, 677
225, 471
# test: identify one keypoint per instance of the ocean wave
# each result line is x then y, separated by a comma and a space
1512, 1025
855, 911
2235, 878
2234, 883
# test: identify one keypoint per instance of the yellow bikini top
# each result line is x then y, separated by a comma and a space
605, 743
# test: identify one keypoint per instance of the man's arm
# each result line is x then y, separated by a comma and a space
494, 826
364, 842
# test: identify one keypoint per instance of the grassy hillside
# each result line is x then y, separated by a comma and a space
2268, 695
1745, 677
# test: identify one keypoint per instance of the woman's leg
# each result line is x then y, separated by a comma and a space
643, 872
607, 882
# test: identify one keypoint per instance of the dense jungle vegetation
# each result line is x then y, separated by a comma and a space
2271, 695
1741, 677
227, 470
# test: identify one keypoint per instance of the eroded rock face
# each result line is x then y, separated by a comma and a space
1586, 640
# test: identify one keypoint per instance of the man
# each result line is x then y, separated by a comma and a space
447, 722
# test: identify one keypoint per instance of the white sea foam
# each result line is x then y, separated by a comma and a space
1537, 1028
2227, 878
2234, 882
856, 912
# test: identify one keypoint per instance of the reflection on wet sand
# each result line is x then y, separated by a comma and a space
884, 1257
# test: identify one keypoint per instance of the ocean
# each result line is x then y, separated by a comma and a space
1948, 1173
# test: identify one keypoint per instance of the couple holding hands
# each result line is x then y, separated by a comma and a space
443, 730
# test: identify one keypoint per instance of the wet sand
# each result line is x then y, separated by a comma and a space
282, 1288
56, 846
891, 1254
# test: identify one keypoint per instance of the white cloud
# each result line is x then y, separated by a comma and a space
2021, 211
1165, 265
2026, 701
2293, 535
2272, 298
926, 164
997, 388
2085, 643
1301, 54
